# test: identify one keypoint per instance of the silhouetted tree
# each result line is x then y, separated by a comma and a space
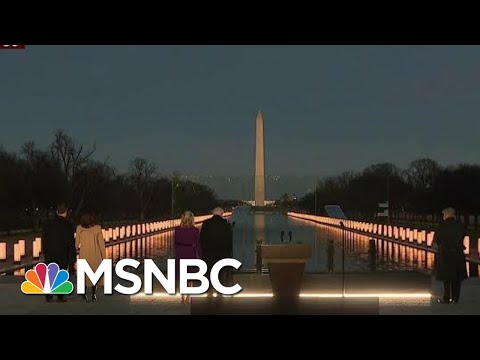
71, 159
45, 184
13, 197
94, 181
459, 187
421, 176
33, 182
142, 176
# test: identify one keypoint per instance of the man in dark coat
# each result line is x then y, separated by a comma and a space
59, 243
216, 241
450, 261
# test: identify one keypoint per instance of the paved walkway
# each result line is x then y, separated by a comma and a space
12, 301
469, 302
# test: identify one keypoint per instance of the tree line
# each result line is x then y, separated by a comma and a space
423, 189
34, 180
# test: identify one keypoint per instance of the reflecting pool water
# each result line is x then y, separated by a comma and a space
362, 254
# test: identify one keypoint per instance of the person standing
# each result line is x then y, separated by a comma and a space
91, 243
450, 261
216, 242
187, 243
59, 243
330, 256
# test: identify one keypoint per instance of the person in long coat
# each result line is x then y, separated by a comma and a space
216, 241
59, 243
450, 260
187, 244
91, 243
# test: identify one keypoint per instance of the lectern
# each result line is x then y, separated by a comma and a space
286, 265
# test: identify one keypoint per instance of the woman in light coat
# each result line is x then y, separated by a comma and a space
92, 248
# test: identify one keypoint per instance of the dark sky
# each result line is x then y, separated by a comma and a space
192, 108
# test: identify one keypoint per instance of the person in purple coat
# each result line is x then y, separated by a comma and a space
187, 244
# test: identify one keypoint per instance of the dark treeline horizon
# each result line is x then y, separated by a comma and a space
34, 180
424, 189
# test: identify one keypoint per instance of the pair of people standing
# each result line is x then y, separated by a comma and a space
60, 245
213, 243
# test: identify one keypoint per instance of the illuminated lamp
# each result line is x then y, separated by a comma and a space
466, 244
36, 248
21, 244
16, 253
3, 251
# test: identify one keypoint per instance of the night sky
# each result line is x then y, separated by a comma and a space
192, 108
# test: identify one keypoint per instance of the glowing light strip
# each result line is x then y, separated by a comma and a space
164, 295
253, 295
312, 295
382, 296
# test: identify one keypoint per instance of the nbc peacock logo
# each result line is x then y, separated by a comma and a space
47, 280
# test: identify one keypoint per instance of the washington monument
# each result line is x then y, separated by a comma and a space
260, 162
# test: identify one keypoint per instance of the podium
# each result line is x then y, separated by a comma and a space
286, 265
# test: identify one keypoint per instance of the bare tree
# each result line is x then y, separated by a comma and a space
421, 173
71, 158
91, 176
142, 174
29, 151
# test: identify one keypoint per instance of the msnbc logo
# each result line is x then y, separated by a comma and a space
47, 280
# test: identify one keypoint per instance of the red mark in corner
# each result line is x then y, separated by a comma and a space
12, 47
